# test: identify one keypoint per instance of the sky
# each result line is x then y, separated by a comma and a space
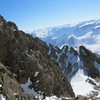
37, 14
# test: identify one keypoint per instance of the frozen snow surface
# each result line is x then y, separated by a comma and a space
84, 85
79, 84
40, 97
55, 98
2, 97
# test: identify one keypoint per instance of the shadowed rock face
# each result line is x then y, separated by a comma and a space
25, 56
88, 59
10, 87
70, 60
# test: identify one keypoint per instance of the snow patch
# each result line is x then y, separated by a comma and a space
56, 98
52, 98
0, 85
2, 97
36, 74
26, 88
79, 84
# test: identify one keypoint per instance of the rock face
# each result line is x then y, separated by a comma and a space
27, 57
71, 59
89, 60
10, 87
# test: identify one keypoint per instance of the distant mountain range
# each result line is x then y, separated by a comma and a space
85, 33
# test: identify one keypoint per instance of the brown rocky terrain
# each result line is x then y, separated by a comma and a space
10, 87
26, 57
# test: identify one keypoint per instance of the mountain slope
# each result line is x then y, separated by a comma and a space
9, 88
28, 61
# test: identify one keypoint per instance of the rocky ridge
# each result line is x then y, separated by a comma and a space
69, 58
80, 63
25, 57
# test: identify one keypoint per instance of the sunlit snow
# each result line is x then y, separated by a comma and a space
80, 85
2, 97
56, 98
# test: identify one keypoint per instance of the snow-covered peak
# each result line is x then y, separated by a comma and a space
85, 33
73, 41
72, 28
41, 33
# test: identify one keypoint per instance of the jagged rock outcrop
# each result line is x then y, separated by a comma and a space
71, 59
10, 87
27, 57
89, 60
80, 66
66, 58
